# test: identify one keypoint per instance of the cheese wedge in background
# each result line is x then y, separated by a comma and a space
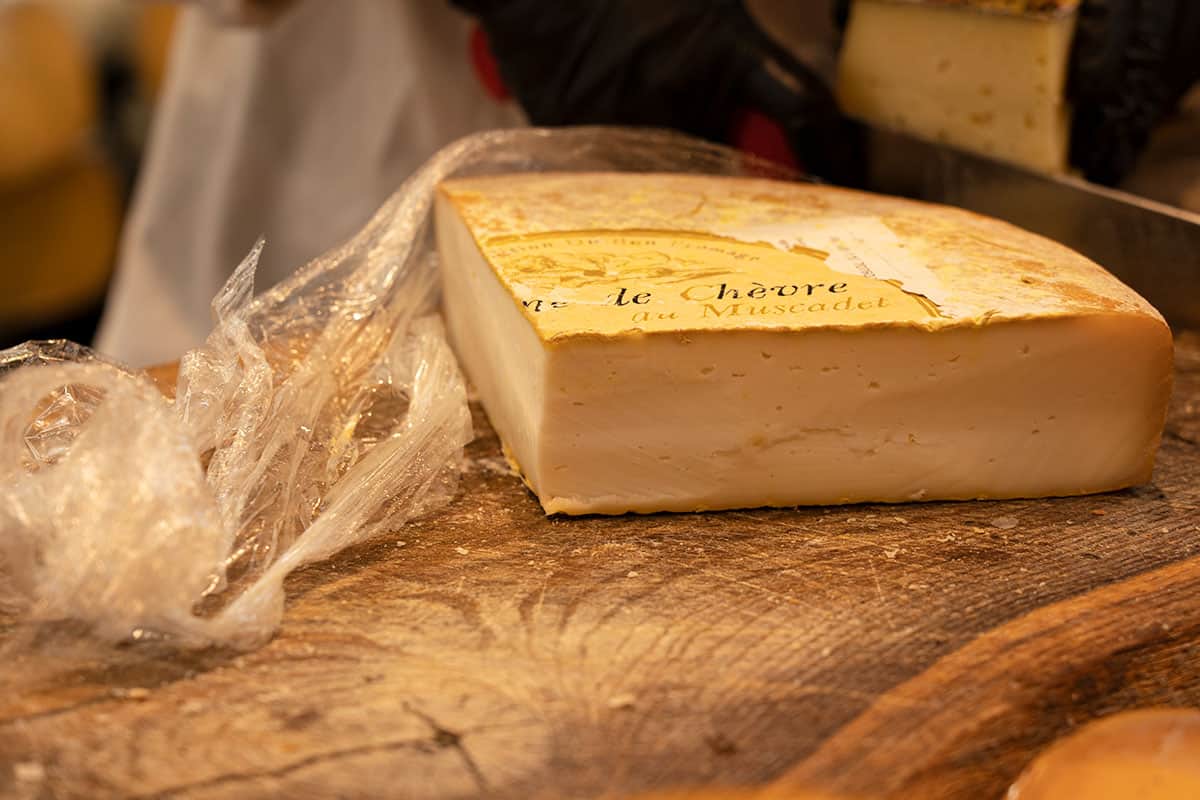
680, 343
986, 76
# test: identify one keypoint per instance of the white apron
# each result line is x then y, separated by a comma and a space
297, 132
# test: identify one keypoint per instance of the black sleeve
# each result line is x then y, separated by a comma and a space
692, 65
1132, 61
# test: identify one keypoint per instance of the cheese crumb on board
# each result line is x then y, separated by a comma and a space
964, 75
681, 343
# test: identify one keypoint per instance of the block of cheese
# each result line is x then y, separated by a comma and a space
680, 343
1149, 754
984, 75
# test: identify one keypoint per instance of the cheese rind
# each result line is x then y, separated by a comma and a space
991, 83
579, 238
1035, 374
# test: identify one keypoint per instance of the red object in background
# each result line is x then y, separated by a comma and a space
752, 131
485, 65
755, 133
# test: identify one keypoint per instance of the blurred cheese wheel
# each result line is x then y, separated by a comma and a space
47, 94
152, 44
1149, 755
58, 238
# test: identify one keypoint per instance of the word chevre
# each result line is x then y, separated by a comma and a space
649, 343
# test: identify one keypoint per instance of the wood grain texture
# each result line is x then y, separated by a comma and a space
920, 650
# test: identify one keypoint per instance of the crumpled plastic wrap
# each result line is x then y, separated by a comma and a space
322, 412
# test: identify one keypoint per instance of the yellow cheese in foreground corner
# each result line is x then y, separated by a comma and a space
1147, 754
679, 343
983, 75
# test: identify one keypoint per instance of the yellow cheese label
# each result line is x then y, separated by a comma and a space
613, 282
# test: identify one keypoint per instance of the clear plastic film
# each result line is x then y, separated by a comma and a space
325, 411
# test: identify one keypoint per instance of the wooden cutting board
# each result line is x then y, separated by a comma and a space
918, 651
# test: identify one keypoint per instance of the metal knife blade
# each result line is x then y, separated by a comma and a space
1152, 247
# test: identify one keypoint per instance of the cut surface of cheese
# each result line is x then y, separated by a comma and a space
680, 343
969, 76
